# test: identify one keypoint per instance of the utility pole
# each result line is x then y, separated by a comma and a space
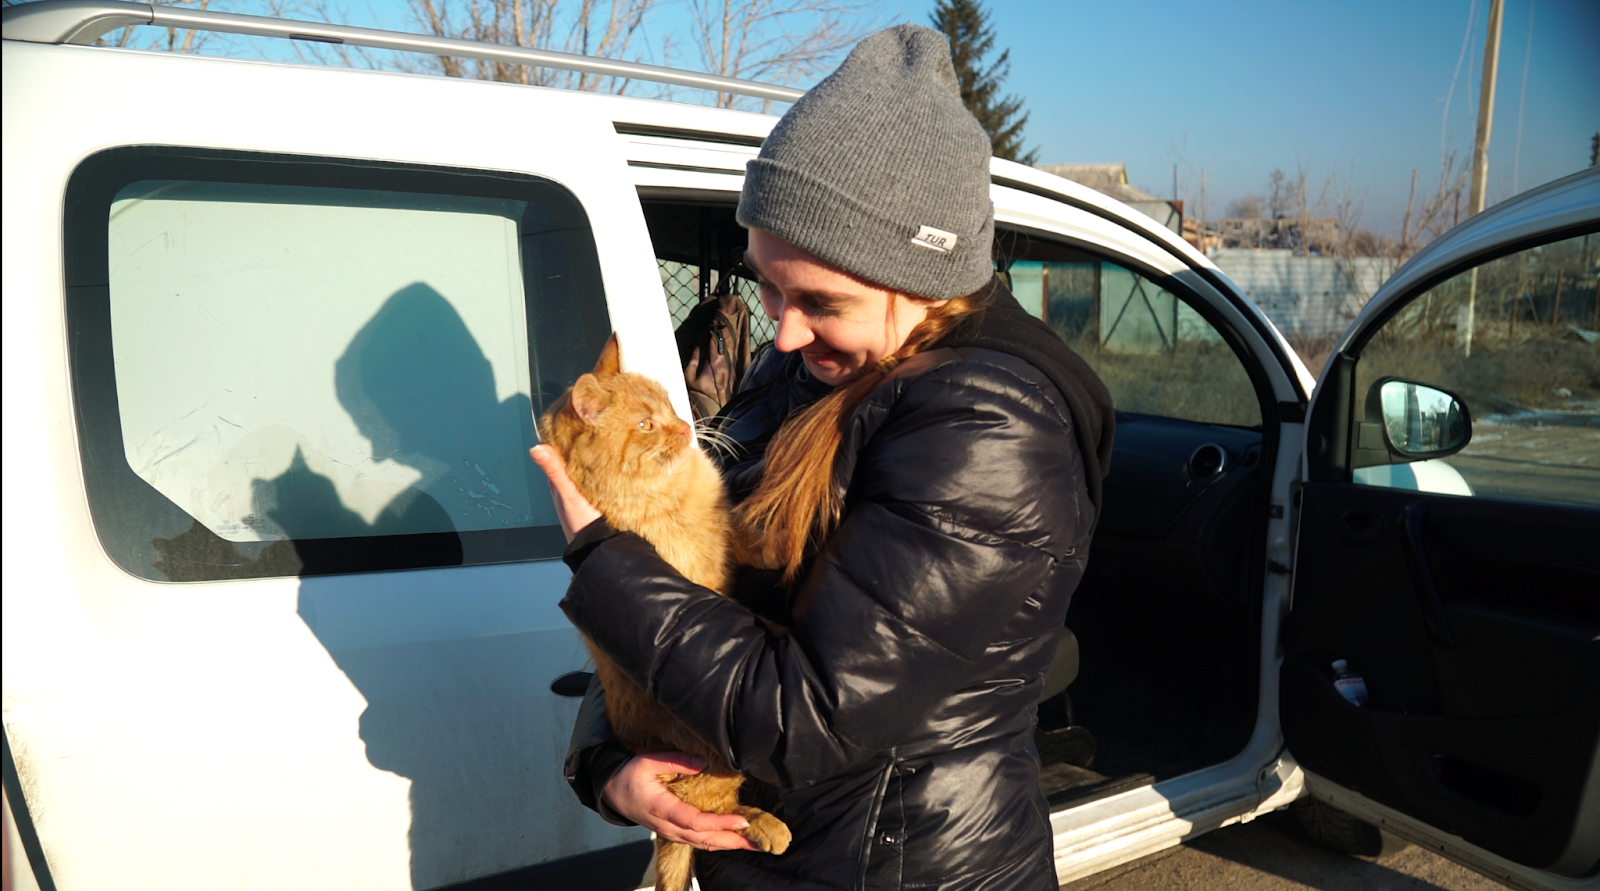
1480, 147
1480, 155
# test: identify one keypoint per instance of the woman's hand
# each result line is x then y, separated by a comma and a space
574, 510
636, 792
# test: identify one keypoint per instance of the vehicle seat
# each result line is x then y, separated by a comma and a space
1064, 670
1065, 749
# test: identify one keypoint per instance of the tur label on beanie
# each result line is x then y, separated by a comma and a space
935, 239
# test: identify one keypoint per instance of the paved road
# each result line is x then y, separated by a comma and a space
1271, 854
1549, 464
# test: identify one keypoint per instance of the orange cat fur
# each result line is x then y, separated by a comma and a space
632, 457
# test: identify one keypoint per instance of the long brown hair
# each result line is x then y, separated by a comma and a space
797, 504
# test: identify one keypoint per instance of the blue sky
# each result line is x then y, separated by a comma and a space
1239, 87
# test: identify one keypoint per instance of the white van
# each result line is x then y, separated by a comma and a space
280, 583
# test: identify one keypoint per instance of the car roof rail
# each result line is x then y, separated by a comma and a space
82, 22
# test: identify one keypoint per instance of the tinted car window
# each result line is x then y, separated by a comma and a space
288, 368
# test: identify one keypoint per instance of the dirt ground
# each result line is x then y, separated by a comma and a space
1271, 854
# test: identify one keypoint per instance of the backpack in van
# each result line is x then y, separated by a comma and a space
714, 348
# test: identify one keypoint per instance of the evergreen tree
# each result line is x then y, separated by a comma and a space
966, 24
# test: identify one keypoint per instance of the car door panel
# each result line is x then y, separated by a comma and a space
1481, 732
1471, 610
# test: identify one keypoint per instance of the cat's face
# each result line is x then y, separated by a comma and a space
629, 418
614, 422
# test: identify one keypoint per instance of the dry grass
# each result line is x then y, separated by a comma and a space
1314, 350
1540, 372
1197, 382
1524, 355
1205, 382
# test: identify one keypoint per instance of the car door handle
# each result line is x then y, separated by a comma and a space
574, 684
1422, 576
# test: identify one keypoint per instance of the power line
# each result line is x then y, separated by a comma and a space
1516, 158
1466, 41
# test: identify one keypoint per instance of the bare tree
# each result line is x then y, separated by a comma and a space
1345, 203
1192, 184
1302, 207
1329, 225
1356, 252
1283, 194
1250, 207
334, 53
778, 41
172, 40
185, 40
605, 28
1428, 217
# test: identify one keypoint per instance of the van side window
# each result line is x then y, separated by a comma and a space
291, 368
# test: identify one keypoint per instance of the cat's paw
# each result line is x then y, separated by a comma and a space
768, 832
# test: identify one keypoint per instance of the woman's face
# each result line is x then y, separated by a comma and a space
840, 324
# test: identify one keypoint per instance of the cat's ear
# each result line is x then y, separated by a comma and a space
588, 398
610, 358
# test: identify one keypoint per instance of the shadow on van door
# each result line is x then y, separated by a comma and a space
421, 391
453, 699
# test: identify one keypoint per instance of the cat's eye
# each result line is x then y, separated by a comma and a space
647, 425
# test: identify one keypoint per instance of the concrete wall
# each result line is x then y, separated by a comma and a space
1304, 295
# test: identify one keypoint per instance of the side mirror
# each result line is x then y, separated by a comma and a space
1407, 421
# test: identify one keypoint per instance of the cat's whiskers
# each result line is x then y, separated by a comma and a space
715, 440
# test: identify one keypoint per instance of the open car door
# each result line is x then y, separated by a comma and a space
1449, 550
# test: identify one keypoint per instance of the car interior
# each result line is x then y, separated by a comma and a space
1156, 671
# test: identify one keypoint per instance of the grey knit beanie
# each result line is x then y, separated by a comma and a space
881, 171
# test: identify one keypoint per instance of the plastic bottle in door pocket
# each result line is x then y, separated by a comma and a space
1349, 684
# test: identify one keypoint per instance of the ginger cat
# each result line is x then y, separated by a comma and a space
632, 457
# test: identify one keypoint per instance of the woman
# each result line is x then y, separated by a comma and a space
933, 510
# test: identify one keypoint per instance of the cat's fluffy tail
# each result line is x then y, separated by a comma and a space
674, 864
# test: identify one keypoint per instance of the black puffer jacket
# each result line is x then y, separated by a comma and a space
891, 729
